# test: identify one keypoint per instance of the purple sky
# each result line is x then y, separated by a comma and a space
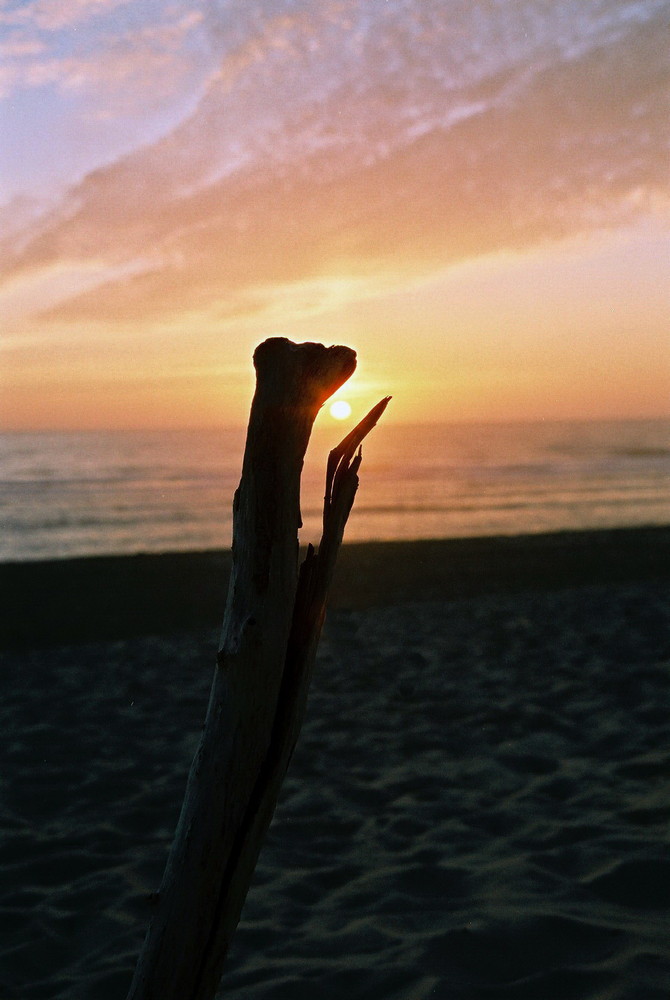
474, 194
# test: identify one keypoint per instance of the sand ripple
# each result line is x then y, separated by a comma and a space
478, 807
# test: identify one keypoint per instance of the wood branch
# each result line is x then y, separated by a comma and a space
271, 627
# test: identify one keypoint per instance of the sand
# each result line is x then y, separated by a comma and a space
478, 806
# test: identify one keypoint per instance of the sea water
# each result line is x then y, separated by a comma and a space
74, 494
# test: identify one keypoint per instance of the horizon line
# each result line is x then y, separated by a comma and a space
464, 422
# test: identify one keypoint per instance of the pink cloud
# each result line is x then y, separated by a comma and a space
54, 15
154, 58
18, 46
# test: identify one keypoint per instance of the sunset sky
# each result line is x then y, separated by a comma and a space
474, 194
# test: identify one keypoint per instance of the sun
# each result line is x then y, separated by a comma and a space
340, 409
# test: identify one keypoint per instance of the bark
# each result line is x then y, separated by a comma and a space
270, 633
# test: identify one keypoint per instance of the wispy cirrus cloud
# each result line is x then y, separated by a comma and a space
544, 152
340, 157
39, 289
81, 88
138, 63
55, 15
18, 46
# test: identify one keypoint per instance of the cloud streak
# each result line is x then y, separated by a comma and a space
539, 155
141, 63
340, 153
55, 15
34, 292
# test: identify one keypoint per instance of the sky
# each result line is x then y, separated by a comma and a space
473, 194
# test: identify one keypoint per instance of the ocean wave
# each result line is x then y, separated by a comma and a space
417, 482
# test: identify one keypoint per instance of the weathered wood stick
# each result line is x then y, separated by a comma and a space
270, 633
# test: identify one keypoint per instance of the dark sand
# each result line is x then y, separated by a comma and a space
478, 806
121, 596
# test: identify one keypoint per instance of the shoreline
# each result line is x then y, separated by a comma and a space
477, 804
113, 597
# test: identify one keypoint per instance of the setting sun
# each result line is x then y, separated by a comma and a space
429, 203
340, 409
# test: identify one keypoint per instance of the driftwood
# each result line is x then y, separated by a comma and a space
271, 629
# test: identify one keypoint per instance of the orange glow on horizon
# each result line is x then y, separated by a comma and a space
480, 210
569, 331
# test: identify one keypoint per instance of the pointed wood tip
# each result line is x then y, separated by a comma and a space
362, 429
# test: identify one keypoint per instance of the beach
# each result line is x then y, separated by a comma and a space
478, 805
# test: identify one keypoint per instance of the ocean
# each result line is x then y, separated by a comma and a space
122, 492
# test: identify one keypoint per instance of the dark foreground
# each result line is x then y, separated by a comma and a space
478, 806
120, 596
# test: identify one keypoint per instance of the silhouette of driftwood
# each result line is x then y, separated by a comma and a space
271, 629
